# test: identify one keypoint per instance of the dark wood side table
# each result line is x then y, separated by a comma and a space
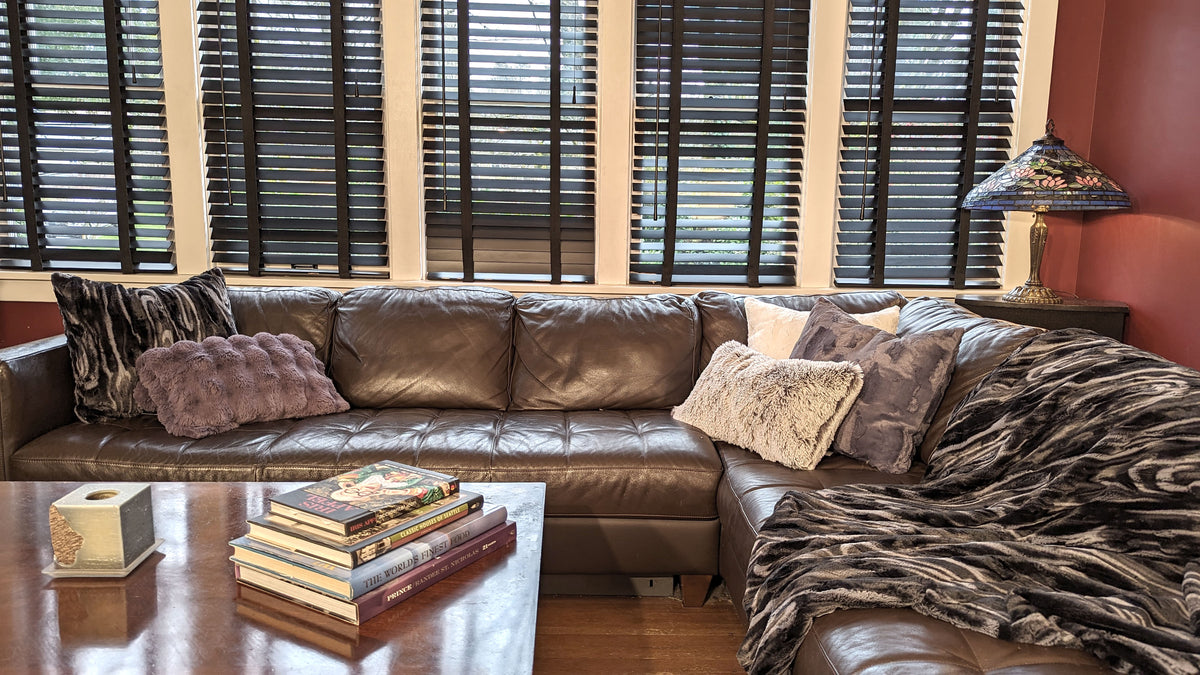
1104, 317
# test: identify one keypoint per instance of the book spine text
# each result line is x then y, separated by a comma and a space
416, 580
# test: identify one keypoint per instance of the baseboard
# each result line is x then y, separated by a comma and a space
606, 584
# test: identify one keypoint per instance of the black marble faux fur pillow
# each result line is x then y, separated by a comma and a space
109, 326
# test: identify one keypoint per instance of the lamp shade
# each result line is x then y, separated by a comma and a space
1048, 176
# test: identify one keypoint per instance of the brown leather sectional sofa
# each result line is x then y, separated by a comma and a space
574, 392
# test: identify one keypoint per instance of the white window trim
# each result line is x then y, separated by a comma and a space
614, 153
1033, 105
830, 22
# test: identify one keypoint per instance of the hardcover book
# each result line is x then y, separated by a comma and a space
369, 495
393, 592
367, 545
351, 583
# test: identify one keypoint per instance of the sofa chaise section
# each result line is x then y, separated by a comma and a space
858, 641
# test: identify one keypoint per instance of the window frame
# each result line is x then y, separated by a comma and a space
320, 211
509, 233
64, 194
614, 150
722, 131
940, 246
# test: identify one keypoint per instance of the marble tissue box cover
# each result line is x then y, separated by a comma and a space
102, 527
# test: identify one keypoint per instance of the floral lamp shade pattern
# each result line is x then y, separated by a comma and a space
1048, 176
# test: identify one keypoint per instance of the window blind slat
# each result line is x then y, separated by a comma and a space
509, 139
717, 134
293, 132
951, 66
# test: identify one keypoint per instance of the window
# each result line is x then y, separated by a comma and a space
83, 178
928, 113
508, 110
293, 132
718, 136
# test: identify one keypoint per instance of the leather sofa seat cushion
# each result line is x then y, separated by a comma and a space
636, 463
901, 640
723, 315
583, 353
752, 486
432, 347
864, 640
306, 313
984, 344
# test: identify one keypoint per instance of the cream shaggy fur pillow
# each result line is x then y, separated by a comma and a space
773, 330
785, 410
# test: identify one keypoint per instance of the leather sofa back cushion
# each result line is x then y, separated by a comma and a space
414, 348
306, 313
723, 315
985, 343
582, 353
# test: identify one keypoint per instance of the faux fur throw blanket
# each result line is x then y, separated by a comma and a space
1061, 508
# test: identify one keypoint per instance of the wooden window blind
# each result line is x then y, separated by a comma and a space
84, 183
293, 133
719, 127
928, 113
509, 118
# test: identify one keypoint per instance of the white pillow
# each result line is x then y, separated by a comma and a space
785, 410
774, 330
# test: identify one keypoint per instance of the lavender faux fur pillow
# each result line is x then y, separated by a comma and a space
204, 388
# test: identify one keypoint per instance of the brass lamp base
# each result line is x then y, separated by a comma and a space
1033, 292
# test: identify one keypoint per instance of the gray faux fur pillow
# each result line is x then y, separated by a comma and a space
785, 410
903, 382
204, 388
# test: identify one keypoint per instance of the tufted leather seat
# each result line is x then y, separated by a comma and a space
895, 641
752, 486
594, 463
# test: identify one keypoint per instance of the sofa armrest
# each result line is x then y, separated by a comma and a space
37, 392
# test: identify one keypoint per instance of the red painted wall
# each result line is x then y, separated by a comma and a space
25, 321
1143, 134
1072, 102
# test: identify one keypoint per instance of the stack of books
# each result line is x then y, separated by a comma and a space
366, 540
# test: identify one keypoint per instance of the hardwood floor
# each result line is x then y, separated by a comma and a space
597, 634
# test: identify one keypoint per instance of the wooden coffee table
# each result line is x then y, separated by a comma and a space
181, 610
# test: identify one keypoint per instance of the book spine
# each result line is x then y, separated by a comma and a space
421, 551
393, 511
417, 580
358, 524
375, 549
